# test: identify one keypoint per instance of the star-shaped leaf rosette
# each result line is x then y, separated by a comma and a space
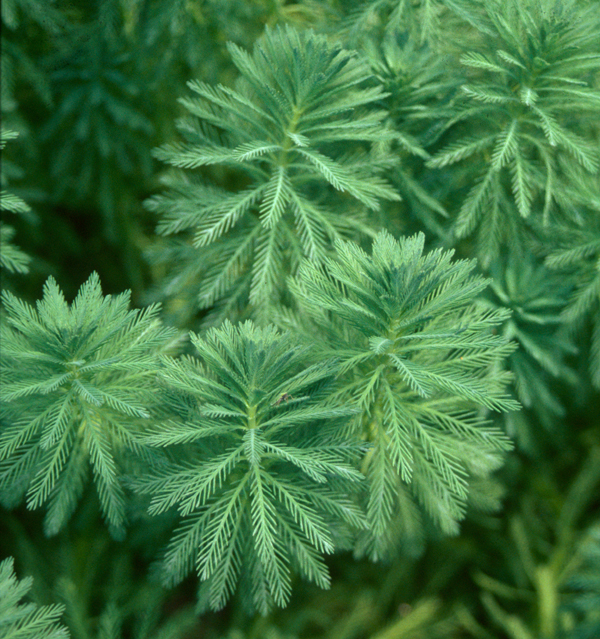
78, 388
297, 130
258, 468
422, 363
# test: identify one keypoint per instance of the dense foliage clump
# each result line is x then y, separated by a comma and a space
342, 375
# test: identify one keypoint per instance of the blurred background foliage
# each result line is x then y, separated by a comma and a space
495, 109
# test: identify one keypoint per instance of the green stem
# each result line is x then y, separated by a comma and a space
548, 600
252, 421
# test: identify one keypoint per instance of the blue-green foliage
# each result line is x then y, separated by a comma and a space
418, 91
19, 620
99, 135
577, 254
536, 297
11, 257
295, 130
77, 392
367, 404
259, 470
535, 64
420, 360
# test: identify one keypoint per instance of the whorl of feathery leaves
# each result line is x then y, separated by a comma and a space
418, 89
78, 384
280, 128
420, 360
535, 65
536, 297
264, 478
